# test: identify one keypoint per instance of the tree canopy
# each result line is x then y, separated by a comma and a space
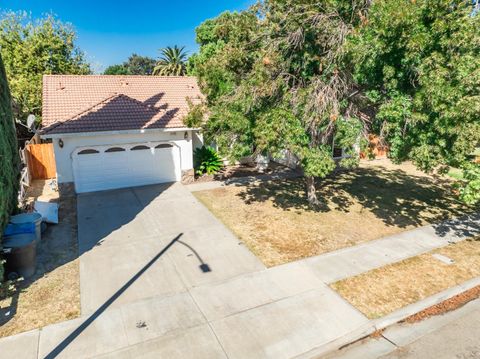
31, 49
300, 75
419, 63
275, 79
419, 66
117, 70
135, 65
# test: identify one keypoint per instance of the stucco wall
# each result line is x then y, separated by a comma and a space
63, 157
197, 138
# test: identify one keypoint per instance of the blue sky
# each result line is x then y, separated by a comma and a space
109, 31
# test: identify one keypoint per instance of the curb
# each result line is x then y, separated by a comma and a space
330, 347
414, 308
388, 320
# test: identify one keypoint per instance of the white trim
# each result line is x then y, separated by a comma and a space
121, 132
124, 144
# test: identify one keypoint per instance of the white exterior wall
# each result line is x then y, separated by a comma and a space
63, 156
197, 139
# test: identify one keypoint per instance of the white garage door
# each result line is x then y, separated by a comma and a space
100, 168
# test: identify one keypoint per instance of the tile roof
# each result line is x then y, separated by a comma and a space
89, 103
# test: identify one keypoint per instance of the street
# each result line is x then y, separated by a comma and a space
460, 339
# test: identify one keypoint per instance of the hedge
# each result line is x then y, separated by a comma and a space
9, 157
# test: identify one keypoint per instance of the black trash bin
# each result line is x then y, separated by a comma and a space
20, 253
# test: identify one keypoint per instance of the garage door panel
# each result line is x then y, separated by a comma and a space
129, 168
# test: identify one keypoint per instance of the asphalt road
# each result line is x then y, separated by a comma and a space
459, 339
453, 335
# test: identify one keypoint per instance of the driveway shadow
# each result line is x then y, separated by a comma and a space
87, 322
61, 243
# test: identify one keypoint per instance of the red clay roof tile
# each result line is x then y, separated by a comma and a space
90, 103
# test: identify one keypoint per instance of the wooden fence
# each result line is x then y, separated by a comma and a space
40, 161
376, 148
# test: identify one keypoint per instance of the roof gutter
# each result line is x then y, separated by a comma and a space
120, 132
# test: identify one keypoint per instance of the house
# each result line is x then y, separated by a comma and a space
119, 131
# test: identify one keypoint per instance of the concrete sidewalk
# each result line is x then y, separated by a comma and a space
351, 261
162, 277
277, 313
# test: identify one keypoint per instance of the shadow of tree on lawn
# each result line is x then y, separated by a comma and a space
397, 198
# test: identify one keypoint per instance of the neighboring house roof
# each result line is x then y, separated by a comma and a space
92, 103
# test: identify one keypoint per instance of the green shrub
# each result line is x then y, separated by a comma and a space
207, 161
9, 158
470, 184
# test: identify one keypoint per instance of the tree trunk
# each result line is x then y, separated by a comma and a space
311, 191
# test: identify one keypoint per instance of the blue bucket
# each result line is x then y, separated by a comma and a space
29, 219
20, 228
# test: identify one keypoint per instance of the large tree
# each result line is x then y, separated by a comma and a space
135, 65
276, 79
32, 48
298, 75
9, 158
418, 62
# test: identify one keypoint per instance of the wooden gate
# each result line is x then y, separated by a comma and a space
41, 161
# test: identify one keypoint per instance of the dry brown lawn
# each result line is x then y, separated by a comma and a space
378, 199
381, 291
53, 293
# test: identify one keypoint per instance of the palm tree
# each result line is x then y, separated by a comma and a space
172, 62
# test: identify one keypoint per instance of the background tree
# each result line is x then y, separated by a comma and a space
9, 159
31, 49
418, 62
135, 65
276, 79
116, 70
172, 62
140, 65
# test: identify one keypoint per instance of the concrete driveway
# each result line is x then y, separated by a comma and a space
121, 231
161, 277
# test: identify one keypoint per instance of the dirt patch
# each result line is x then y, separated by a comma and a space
381, 291
53, 293
378, 199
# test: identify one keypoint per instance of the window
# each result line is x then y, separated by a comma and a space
163, 145
87, 152
115, 149
139, 147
